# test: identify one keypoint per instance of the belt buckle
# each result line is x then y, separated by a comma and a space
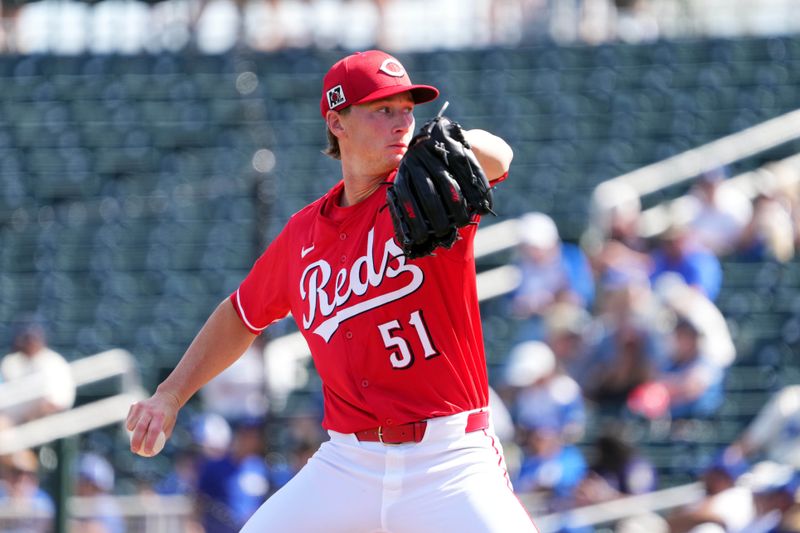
380, 438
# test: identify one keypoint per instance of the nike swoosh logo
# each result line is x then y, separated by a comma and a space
305, 251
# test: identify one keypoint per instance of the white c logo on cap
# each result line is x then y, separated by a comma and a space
392, 67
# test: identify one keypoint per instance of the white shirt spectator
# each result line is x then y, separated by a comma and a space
776, 429
735, 506
716, 342
720, 213
58, 386
546, 395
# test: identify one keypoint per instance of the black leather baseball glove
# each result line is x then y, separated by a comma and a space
439, 187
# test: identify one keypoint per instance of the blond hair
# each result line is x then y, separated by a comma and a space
333, 150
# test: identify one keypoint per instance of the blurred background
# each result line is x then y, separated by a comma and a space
640, 291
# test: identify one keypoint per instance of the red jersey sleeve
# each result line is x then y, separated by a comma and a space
262, 298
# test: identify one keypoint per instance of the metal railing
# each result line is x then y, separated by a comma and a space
146, 513
93, 415
57, 428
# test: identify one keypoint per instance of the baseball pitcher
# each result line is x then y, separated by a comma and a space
379, 275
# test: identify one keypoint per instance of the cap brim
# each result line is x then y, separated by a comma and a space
420, 93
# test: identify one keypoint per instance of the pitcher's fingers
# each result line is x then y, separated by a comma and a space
133, 416
139, 433
155, 427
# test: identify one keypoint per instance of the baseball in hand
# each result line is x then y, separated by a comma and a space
157, 447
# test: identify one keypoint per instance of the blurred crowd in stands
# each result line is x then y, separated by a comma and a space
623, 331
215, 26
276, 24
613, 333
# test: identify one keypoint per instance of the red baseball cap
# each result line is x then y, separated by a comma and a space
366, 76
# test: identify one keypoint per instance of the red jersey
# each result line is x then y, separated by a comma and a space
394, 340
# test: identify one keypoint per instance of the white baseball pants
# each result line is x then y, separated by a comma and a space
451, 481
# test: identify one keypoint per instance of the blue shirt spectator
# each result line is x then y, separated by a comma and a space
543, 394
231, 488
694, 382
549, 465
20, 491
557, 473
627, 355
183, 477
677, 252
550, 272
230, 492
569, 332
96, 481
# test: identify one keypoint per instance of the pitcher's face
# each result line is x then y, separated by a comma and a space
377, 133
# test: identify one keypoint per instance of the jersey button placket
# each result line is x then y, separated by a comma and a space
342, 236
348, 334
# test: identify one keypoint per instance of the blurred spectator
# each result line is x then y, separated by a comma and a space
612, 240
569, 333
9, 15
550, 271
302, 418
625, 357
32, 357
643, 523
625, 296
719, 212
182, 479
20, 491
232, 487
281, 469
298, 24
550, 468
693, 381
614, 212
790, 522
780, 182
677, 251
240, 390
212, 435
692, 305
618, 469
775, 431
769, 235
96, 483
531, 17
549, 411
774, 488
636, 21
726, 505
543, 391
630, 348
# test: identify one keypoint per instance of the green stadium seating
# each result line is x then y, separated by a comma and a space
129, 205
